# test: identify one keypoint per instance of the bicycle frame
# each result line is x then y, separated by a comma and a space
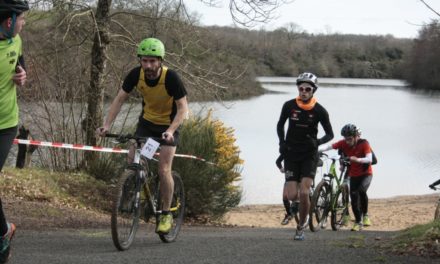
331, 196
140, 164
335, 181
137, 195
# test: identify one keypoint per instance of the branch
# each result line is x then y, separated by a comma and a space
430, 8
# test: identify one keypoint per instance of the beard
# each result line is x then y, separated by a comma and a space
151, 74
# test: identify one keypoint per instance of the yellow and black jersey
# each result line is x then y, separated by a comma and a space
159, 95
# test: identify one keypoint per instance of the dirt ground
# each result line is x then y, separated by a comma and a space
386, 214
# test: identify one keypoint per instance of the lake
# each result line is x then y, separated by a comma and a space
399, 124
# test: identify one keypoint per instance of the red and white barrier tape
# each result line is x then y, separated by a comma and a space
68, 146
91, 148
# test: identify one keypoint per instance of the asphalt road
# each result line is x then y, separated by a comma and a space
205, 245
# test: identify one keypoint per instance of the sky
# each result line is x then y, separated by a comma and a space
400, 18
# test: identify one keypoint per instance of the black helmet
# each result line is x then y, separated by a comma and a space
13, 6
350, 130
308, 78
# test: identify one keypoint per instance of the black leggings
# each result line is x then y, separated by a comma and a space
6, 138
358, 195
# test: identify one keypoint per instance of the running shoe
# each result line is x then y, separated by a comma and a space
345, 220
286, 219
165, 223
299, 235
5, 243
357, 227
366, 221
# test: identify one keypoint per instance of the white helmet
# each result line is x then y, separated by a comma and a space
308, 78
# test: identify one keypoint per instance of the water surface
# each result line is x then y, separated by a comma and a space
401, 126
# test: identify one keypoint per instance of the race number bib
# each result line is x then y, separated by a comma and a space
149, 148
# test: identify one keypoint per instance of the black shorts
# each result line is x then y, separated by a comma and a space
148, 129
298, 169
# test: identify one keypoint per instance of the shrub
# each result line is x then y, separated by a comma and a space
210, 189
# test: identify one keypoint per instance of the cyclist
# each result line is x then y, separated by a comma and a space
165, 107
360, 172
291, 207
12, 73
299, 145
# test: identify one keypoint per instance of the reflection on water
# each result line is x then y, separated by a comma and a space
400, 125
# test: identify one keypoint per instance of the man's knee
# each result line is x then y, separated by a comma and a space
165, 172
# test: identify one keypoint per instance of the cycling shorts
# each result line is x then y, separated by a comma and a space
297, 169
148, 129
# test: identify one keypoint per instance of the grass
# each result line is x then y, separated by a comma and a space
419, 240
67, 189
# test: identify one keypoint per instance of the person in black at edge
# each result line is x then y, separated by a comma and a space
299, 145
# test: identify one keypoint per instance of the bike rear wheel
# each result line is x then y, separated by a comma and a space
125, 211
177, 209
340, 207
319, 206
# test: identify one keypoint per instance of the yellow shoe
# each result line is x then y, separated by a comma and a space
345, 220
356, 227
366, 221
165, 223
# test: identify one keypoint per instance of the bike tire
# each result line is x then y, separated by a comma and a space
319, 206
125, 210
340, 207
177, 209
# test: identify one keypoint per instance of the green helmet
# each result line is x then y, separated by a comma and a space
151, 47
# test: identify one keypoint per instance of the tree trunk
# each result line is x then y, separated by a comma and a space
95, 93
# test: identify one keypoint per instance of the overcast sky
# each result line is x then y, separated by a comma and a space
401, 18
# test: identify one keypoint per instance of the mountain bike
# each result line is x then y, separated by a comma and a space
331, 196
437, 209
137, 195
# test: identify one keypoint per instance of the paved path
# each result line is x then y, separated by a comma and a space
204, 245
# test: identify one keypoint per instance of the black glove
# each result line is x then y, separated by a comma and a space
432, 186
283, 148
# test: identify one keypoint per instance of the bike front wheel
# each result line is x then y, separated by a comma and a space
177, 209
319, 206
340, 207
125, 210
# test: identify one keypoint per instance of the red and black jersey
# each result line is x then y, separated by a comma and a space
360, 150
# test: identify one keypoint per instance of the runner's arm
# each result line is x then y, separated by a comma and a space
326, 147
366, 160
325, 123
280, 125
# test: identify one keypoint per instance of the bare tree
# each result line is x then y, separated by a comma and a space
95, 95
250, 12
430, 8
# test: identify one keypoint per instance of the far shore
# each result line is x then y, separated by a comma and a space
386, 214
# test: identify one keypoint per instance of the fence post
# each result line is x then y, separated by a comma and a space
24, 151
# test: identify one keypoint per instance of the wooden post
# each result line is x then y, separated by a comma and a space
24, 151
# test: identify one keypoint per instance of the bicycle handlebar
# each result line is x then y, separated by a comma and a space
123, 138
344, 160
434, 184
